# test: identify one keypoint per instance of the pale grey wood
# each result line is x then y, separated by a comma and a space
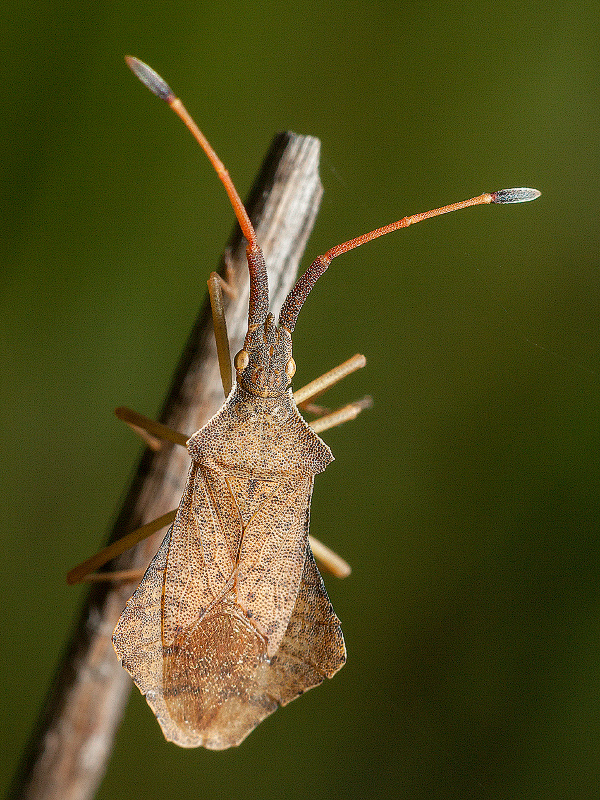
70, 747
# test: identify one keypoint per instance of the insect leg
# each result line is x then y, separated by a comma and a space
139, 423
328, 559
215, 291
118, 576
344, 414
78, 573
316, 388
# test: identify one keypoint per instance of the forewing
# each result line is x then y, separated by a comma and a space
137, 637
272, 557
219, 682
204, 545
189, 574
215, 683
313, 646
211, 691
216, 650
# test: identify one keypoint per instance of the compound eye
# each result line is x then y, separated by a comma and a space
241, 360
290, 368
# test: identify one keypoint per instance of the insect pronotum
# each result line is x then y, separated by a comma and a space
231, 618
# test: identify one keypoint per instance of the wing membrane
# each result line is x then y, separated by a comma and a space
213, 681
232, 619
272, 558
202, 555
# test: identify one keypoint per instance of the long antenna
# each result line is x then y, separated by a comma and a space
295, 299
259, 288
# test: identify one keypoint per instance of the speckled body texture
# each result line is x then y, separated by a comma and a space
232, 619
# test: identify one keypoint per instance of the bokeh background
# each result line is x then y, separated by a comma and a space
467, 499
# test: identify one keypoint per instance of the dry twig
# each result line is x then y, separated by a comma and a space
67, 753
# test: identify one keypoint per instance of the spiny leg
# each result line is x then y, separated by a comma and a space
328, 559
314, 389
117, 576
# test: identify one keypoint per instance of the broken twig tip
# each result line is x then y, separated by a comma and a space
519, 195
150, 78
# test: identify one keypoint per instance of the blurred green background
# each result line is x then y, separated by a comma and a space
467, 499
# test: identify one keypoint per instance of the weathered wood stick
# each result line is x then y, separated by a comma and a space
69, 749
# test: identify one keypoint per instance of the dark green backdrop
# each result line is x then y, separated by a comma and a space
467, 499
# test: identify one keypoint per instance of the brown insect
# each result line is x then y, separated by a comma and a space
232, 619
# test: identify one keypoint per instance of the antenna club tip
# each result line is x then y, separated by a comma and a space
519, 195
150, 79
